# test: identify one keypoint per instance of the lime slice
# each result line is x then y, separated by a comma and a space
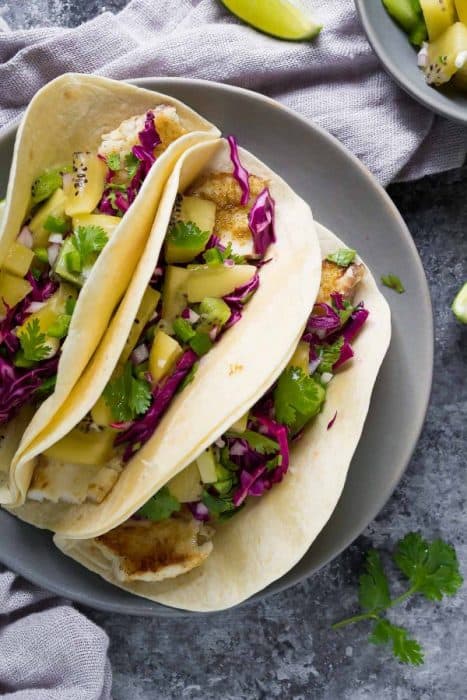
284, 19
459, 305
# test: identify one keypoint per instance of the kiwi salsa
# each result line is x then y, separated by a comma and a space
198, 291
438, 28
73, 212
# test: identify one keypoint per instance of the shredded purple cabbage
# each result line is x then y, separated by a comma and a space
355, 323
143, 428
17, 387
332, 421
235, 317
261, 222
338, 301
249, 485
42, 289
242, 294
199, 511
325, 323
239, 172
149, 139
346, 354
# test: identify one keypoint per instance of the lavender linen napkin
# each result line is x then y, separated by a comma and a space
48, 649
335, 80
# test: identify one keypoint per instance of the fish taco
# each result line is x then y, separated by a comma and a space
91, 159
248, 507
220, 296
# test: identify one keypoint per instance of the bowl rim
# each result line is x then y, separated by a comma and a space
152, 609
450, 109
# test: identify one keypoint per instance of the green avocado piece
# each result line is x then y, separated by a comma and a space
64, 264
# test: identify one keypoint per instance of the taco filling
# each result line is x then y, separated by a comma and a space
172, 532
73, 213
220, 232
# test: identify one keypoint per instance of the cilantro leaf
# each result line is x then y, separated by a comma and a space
126, 396
187, 234
374, 588
432, 568
393, 282
216, 256
258, 442
33, 343
160, 506
342, 257
230, 255
131, 164
329, 355
405, 649
217, 505
113, 161
56, 224
297, 397
86, 241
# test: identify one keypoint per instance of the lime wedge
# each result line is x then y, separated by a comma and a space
459, 305
284, 19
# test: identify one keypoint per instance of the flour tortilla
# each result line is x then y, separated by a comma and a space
230, 378
266, 539
71, 114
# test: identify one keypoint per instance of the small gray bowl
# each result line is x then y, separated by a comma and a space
399, 58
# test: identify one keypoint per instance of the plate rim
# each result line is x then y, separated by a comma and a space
411, 88
151, 608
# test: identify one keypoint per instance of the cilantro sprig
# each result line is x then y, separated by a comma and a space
127, 396
33, 344
160, 506
86, 241
342, 257
432, 570
216, 256
329, 355
297, 398
393, 282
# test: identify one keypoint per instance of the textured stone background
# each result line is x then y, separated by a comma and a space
284, 647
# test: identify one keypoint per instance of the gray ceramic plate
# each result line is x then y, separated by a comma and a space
394, 50
345, 198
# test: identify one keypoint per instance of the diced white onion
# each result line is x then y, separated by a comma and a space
314, 364
213, 333
52, 253
220, 442
321, 333
140, 354
422, 57
56, 238
25, 237
35, 306
326, 377
237, 449
192, 316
